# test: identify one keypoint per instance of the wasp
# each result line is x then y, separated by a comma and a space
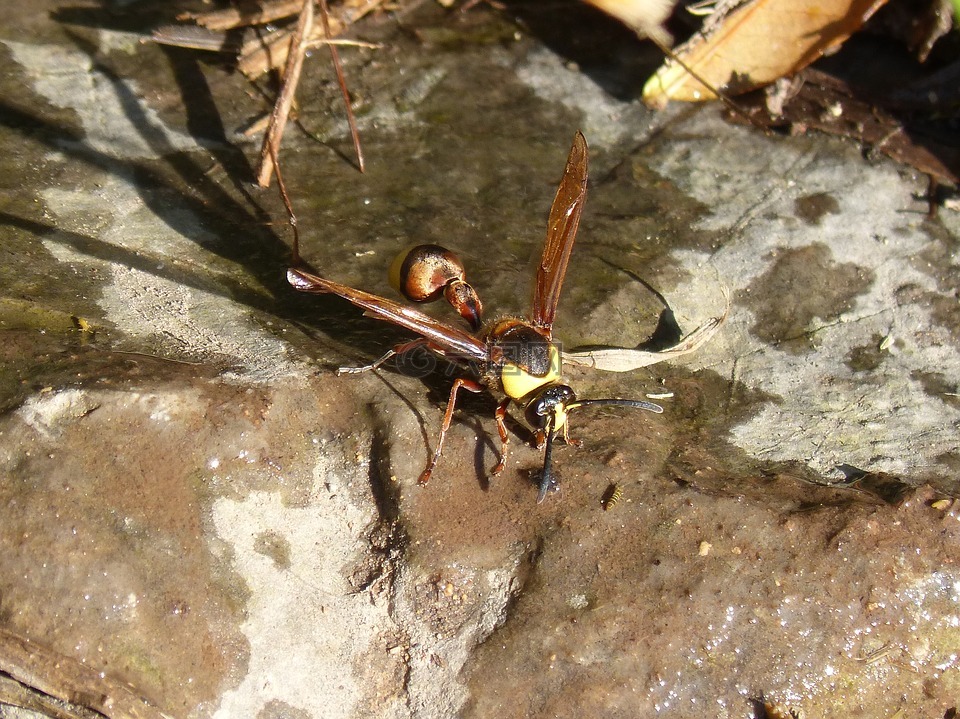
611, 498
515, 358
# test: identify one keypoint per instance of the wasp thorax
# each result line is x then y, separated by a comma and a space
529, 360
424, 272
526, 347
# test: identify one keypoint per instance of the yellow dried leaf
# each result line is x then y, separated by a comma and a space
756, 44
645, 17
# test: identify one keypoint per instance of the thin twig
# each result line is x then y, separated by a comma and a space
42, 671
292, 218
719, 94
250, 14
345, 42
335, 56
281, 110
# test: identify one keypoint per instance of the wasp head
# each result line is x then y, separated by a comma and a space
547, 412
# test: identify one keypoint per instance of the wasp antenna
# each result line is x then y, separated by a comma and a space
638, 403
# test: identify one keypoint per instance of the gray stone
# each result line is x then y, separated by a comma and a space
193, 503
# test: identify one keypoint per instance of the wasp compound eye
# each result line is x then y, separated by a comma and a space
424, 272
551, 402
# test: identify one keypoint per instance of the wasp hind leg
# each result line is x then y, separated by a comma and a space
467, 384
398, 350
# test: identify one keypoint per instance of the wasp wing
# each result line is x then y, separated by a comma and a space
453, 342
561, 231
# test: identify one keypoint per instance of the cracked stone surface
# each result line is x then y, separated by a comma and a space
195, 506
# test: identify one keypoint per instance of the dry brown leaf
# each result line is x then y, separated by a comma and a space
755, 45
883, 124
645, 17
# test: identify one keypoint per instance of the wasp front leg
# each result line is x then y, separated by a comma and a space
566, 437
500, 415
540, 438
467, 384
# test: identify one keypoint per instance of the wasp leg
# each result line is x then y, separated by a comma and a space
499, 415
566, 438
398, 350
467, 384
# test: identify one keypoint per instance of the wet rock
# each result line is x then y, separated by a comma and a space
194, 505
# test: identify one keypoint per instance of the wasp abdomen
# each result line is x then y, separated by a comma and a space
611, 498
424, 272
421, 273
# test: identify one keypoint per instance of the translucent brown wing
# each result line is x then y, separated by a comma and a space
455, 343
561, 231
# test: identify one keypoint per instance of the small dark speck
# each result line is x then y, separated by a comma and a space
275, 546
866, 358
812, 208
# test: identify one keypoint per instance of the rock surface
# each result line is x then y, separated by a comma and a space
197, 508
